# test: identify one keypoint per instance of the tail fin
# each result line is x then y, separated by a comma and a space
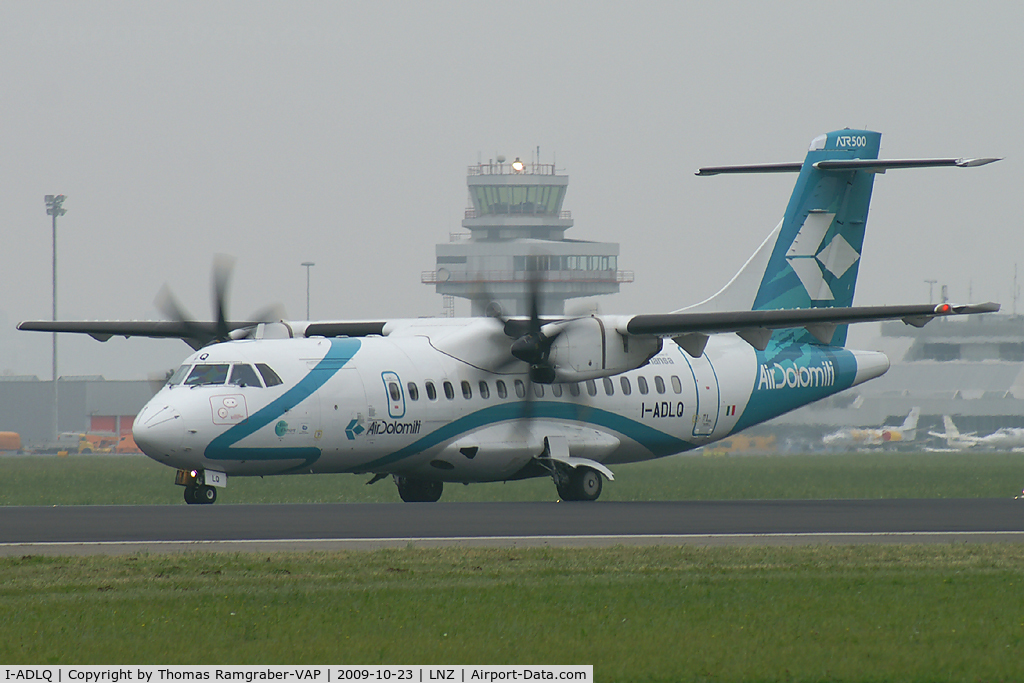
911, 421
951, 431
812, 257
817, 254
909, 426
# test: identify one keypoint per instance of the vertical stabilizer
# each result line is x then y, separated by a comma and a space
911, 421
811, 259
909, 426
951, 431
816, 256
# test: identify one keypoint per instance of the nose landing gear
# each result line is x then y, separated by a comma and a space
198, 485
200, 495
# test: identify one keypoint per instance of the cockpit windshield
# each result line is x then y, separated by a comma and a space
243, 375
233, 374
178, 375
205, 374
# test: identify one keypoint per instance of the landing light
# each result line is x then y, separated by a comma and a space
518, 165
194, 474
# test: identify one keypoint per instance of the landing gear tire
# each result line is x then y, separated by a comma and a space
200, 495
419, 490
582, 483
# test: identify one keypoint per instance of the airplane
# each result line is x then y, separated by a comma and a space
431, 401
860, 438
1007, 438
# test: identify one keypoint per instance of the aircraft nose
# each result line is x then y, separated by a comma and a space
158, 430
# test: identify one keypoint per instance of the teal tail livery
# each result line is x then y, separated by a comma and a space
427, 401
816, 257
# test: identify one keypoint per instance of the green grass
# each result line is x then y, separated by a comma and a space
873, 613
124, 480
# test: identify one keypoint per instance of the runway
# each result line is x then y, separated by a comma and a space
120, 529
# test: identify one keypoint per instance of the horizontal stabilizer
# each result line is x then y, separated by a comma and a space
882, 165
752, 168
870, 165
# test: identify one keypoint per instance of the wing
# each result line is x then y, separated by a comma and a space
196, 334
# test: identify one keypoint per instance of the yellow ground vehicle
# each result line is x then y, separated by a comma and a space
86, 443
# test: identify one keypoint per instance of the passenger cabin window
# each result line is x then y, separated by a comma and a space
538, 390
502, 390
574, 389
449, 390
609, 386
659, 384
431, 391
178, 375
414, 391
592, 387
207, 374
641, 383
556, 389
520, 388
677, 386
394, 391
626, 388
243, 375
485, 391
467, 390
270, 377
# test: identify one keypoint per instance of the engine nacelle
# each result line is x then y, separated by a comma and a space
588, 348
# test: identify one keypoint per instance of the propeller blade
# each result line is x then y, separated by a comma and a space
223, 266
192, 332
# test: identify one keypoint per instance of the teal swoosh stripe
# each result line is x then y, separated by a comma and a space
220, 448
658, 442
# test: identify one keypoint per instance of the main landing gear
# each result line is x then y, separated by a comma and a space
418, 490
581, 483
575, 478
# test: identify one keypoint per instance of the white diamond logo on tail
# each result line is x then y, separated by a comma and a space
838, 257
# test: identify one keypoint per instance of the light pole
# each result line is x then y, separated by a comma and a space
931, 292
54, 208
307, 265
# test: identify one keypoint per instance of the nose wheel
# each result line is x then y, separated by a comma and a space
200, 495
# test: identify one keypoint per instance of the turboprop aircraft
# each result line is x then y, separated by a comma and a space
429, 401
853, 437
1007, 438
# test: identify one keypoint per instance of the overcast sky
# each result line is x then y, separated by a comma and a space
340, 133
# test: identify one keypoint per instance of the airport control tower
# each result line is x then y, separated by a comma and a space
517, 237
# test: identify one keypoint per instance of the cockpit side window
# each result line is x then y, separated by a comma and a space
270, 377
206, 374
243, 375
178, 375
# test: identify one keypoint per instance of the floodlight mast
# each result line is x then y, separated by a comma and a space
307, 265
54, 208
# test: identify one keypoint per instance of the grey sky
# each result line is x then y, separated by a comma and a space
340, 133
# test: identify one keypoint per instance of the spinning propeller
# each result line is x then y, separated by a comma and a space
530, 344
199, 334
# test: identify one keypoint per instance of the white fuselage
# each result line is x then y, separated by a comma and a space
396, 404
